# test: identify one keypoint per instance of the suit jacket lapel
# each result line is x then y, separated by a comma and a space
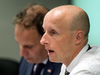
29, 69
48, 68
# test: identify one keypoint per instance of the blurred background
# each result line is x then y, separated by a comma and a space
9, 49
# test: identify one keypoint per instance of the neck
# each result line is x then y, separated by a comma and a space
76, 50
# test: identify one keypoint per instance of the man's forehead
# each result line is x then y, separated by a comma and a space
54, 15
53, 26
55, 19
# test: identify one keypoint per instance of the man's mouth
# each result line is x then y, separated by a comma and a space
50, 52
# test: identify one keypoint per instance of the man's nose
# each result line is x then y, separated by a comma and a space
43, 40
22, 51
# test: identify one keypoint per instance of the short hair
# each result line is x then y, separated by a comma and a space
32, 15
81, 21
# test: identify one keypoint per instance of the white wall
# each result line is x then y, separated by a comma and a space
8, 9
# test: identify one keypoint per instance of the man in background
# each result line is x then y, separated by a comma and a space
28, 32
66, 35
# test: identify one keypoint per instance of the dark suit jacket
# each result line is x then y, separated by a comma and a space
50, 68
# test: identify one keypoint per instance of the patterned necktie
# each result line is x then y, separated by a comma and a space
66, 72
38, 69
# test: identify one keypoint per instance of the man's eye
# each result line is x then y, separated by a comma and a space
53, 32
29, 47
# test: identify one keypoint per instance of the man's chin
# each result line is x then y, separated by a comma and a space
28, 60
53, 60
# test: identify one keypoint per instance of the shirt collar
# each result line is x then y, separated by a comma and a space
45, 61
77, 58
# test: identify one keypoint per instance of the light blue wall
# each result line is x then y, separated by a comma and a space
92, 7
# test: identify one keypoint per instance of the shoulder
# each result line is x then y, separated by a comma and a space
89, 62
25, 67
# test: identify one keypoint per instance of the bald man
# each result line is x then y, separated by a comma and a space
65, 38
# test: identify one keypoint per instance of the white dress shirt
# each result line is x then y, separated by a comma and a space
85, 63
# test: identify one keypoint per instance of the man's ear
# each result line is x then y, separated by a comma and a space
79, 37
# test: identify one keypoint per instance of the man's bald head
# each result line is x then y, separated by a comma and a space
75, 17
